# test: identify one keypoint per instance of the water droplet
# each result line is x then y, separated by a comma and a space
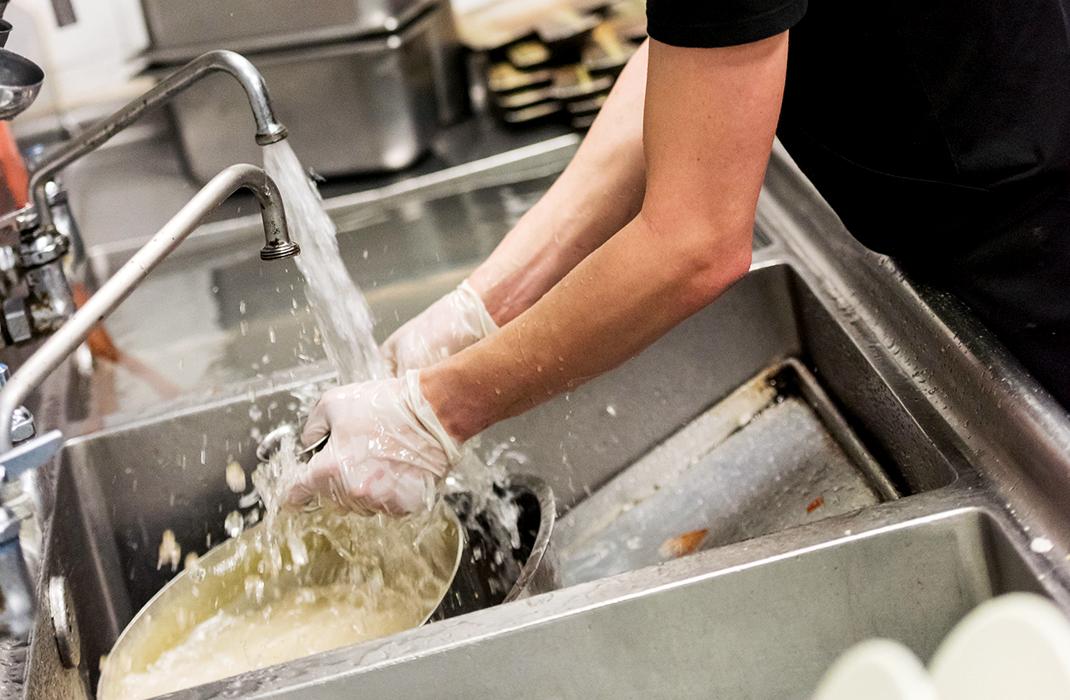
234, 523
1041, 545
235, 477
170, 551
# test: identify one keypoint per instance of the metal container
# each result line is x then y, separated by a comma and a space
475, 570
491, 571
219, 581
367, 105
706, 487
181, 30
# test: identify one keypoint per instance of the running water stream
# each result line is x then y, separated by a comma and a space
345, 320
342, 314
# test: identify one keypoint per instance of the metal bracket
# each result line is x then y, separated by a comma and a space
30, 455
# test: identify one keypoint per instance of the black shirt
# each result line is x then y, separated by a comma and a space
926, 124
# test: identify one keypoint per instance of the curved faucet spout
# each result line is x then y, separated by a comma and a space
277, 241
63, 342
268, 128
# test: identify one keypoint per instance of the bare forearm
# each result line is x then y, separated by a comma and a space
710, 118
597, 194
612, 305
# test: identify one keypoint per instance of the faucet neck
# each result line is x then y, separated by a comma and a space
268, 128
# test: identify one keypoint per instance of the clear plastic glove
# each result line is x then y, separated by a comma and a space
448, 326
386, 452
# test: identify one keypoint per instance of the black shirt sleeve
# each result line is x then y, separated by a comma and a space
713, 23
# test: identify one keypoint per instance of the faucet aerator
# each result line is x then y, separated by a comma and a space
279, 250
277, 132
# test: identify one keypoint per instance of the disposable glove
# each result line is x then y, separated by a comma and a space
448, 326
386, 451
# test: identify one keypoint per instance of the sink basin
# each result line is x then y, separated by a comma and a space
917, 536
119, 489
697, 628
767, 629
577, 443
242, 321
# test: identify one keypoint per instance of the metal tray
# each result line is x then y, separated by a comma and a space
772, 455
183, 30
370, 105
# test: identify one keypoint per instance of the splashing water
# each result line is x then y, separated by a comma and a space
345, 322
344, 318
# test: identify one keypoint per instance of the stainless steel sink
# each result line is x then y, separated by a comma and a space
940, 516
131, 483
704, 627
121, 488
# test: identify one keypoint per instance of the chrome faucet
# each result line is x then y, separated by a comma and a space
43, 244
268, 128
16, 462
277, 246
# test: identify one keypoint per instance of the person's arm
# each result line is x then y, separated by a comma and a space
596, 195
710, 117
599, 192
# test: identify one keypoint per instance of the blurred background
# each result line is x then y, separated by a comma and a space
429, 62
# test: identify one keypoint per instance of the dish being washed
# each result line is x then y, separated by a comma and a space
274, 594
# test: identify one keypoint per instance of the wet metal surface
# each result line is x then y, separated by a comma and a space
756, 463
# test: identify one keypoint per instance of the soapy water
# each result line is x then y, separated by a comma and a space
300, 584
304, 621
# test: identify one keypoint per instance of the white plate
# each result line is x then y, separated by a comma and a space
879, 669
1015, 646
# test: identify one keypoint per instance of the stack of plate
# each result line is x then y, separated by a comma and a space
1015, 646
562, 68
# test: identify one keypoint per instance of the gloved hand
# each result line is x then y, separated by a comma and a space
386, 452
448, 326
